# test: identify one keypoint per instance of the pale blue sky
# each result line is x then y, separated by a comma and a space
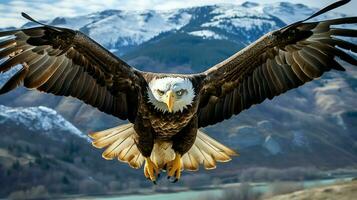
47, 9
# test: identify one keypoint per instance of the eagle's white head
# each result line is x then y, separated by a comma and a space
171, 94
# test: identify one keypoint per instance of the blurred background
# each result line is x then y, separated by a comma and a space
304, 140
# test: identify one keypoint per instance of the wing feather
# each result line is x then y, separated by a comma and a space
67, 63
277, 62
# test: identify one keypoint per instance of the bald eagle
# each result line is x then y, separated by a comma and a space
166, 111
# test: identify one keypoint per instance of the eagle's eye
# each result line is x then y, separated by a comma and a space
180, 92
160, 92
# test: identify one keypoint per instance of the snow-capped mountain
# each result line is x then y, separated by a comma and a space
116, 28
119, 30
38, 119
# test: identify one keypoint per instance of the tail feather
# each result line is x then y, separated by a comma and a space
115, 149
206, 151
196, 157
137, 161
104, 133
212, 150
107, 137
189, 162
220, 147
121, 144
129, 152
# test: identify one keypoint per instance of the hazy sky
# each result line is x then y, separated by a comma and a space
47, 9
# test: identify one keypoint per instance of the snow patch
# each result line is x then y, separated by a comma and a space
246, 136
335, 96
272, 145
41, 119
207, 34
265, 125
235, 19
249, 4
299, 139
4, 77
135, 27
290, 12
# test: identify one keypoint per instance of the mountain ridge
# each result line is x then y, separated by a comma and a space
136, 27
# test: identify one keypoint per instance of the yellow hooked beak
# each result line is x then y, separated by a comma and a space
170, 100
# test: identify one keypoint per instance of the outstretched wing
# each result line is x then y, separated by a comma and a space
277, 62
68, 63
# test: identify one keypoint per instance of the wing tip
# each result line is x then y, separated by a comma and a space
28, 17
328, 8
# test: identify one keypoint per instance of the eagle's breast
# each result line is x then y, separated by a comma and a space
167, 125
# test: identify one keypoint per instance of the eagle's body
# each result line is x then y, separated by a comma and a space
166, 111
164, 123
153, 124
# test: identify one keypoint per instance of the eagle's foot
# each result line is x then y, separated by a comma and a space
174, 168
151, 171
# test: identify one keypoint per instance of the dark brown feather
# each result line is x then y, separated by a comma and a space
344, 32
340, 43
35, 76
7, 43
277, 62
59, 59
25, 56
55, 78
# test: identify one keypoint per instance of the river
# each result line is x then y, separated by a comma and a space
199, 194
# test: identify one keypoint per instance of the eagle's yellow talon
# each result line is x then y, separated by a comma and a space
150, 170
174, 168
